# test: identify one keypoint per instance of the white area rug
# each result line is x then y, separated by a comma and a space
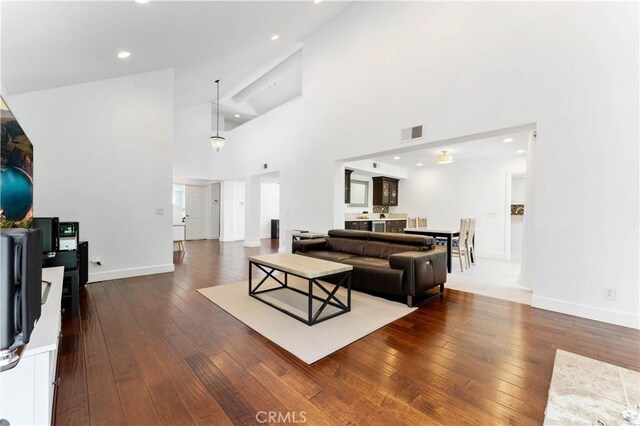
584, 390
309, 343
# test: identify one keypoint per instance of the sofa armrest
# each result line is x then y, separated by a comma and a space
422, 269
303, 246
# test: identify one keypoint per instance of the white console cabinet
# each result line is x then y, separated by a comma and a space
27, 390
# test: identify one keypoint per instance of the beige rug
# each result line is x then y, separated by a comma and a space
584, 390
309, 343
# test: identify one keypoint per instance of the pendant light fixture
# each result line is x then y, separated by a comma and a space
217, 141
444, 158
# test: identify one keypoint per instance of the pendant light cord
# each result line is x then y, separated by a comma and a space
218, 108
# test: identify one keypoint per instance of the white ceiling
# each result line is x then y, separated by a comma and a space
463, 151
53, 44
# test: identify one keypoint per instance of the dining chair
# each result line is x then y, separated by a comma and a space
422, 222
471, 250
411, 222
459, 245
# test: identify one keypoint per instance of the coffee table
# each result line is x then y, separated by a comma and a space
310, 269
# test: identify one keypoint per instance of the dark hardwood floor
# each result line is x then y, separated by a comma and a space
152, 350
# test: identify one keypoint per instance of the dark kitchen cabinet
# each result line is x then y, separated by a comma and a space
385, 191
347, 185
396, 226
358, 225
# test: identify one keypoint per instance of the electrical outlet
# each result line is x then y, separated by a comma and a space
609, 293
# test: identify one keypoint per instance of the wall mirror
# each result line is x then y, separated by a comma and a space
359, 193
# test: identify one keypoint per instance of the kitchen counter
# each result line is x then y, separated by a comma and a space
368, 220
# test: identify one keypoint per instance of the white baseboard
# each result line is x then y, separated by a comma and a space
230, 240
129, 272
252, 244
586, 311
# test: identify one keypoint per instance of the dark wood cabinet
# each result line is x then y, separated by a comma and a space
358, 225
385, 191
396, 226
347, 185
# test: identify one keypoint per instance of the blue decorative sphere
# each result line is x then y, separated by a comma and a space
16, 193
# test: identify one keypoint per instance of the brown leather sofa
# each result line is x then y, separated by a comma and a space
398, 265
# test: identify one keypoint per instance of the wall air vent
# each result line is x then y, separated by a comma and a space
410, 134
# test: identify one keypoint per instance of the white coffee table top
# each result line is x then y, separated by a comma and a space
304, 266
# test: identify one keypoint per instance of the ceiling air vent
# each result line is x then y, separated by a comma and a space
410, 134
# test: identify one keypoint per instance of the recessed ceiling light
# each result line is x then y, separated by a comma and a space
141, 1
275, 37
396, 158
124, 54
236, 115
520, 151
419, 164
507, 140
317, 1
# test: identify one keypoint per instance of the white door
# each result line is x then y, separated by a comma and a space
195, 212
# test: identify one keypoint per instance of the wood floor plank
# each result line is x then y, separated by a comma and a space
232, 402
134, 397
152, 350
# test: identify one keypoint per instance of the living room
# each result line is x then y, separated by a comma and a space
120, 102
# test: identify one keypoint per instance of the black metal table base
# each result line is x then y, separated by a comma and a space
343, 281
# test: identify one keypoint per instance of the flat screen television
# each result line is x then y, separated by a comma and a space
20, 290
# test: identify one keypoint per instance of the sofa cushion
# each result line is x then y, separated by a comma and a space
333, 256
409, 239
373, 262
379, 280
384, 250
349, 233
346, 245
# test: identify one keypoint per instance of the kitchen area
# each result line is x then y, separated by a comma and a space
371, 199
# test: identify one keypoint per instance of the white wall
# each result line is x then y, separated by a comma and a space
102, 156
192, 152
461, 69
472, 188
269, 207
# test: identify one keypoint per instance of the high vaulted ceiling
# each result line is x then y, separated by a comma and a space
51, 44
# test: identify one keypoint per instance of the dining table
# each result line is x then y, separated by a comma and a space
438, 233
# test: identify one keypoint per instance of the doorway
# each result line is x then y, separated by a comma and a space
446, 181
270, 206
215, 210
516, 213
